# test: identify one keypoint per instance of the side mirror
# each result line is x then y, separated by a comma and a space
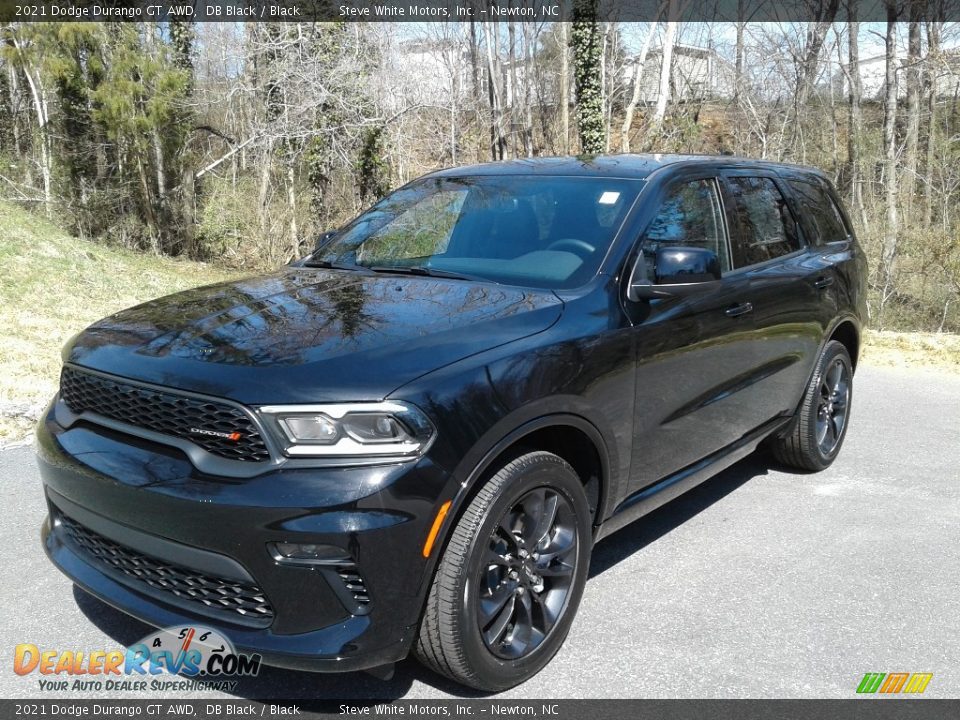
678, 271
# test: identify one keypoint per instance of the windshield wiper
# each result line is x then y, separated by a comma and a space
330, 265
424, 271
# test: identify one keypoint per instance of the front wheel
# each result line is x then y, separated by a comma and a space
816, 435
510, 579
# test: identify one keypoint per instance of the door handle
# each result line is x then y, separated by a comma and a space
736, 310
824, 281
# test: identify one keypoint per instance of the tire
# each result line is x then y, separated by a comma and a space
814, 439
492, 555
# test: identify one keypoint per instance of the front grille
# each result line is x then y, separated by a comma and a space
203, 593
355, 585
167, 413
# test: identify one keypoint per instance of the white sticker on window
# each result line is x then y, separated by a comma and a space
609, 198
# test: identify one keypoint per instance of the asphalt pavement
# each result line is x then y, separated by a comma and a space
760, 583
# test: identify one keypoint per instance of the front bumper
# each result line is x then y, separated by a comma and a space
116, 501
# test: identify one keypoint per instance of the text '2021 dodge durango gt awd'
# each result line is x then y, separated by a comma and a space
410, 440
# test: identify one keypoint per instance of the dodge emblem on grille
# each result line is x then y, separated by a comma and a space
216, 433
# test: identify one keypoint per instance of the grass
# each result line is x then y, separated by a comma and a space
52, 286
912, 350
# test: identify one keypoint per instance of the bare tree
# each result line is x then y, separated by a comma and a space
666, 63
934, 30
738, 51
912, 133
27, 58
565, 85
854, 115
638, 66
498, 141
890, 183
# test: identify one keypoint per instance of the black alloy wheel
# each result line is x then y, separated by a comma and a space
832, 408
525, 581
813, 440
509, 581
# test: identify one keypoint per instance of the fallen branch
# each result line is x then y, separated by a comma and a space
23, 195
212, 166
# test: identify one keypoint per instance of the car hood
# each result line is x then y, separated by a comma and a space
309, 335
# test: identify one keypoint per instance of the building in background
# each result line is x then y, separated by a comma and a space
873, 76
696, 73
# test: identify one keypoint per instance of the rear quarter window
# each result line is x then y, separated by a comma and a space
819, 213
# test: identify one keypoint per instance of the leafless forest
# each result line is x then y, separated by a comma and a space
238, 143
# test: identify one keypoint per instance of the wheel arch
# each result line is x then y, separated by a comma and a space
571, 437
847, 333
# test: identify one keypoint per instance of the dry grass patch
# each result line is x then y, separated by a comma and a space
919, 351
53, 286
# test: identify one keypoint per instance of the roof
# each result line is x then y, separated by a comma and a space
620, 166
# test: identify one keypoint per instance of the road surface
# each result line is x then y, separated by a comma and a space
759, 583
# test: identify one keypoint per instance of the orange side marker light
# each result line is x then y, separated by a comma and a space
437, 522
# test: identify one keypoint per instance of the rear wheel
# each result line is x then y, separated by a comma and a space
814, 440
509, 582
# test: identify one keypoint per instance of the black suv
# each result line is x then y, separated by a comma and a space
412, 439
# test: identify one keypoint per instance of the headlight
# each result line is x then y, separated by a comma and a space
351, 429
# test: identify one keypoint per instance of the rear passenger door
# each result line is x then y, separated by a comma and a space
691, 350
831, 243
784, 281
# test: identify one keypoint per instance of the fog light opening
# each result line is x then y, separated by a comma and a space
308, 553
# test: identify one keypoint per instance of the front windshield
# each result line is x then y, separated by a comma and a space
545, 232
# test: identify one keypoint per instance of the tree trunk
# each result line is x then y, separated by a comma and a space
188, 188
912, 134
512, 95
475, 76
586, 39
606, 97
292, 207
565, 87
666, 60
148, 206
40, 109
855, 120
890, 155
738, 61
933, 58
15, 129
808, 73
264, 194
497, 141
527, 82
160, 167
7, 132
637, 86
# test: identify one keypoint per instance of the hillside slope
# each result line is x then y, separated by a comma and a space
53, 285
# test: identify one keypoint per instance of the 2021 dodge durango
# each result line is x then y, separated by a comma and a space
411, 440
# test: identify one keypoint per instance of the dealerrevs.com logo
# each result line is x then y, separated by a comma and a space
203, 658
894, 683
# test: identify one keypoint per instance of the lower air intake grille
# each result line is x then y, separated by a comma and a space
203, 593
355, 585
218, 428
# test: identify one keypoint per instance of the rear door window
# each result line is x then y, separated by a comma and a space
767, 229
819, 212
